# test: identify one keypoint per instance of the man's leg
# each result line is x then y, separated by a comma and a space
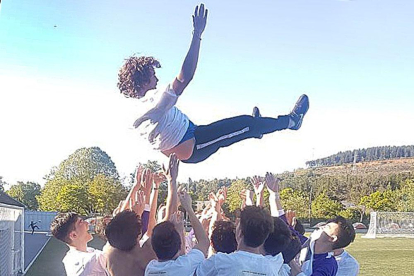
210, 138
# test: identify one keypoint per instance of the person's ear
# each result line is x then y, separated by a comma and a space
333, 238
73, 236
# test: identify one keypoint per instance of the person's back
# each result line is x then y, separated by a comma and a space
131, 262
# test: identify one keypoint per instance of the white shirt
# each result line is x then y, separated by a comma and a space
184, 265
284, 270
347, 265
163, 124
78, 263
241, 263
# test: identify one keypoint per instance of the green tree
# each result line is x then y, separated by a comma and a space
105, 194
379, 201
405, 197
295, 200
2, 184
92, 177
26, 193
324, 207
233, 199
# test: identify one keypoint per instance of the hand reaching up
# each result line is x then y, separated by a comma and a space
172, 171
258, 185
200, 19
272, 183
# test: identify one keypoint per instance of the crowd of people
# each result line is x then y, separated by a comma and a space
144, 239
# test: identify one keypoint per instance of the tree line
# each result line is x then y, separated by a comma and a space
363, 155
88, 182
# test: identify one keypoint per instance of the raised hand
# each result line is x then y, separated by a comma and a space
258, 184
146, 182
137, 203
222, 195
200, 19
172, 172
159, 177
272, 183
185, 199
178, 220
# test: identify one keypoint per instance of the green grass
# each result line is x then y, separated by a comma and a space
49, 262
377, 257
384, 257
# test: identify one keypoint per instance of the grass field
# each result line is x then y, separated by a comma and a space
377, 257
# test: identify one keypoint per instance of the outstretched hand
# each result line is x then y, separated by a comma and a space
272, 183
172, 172
200, 19
258, 184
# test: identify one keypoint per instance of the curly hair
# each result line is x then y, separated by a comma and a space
135, 72
123, 230
223, 237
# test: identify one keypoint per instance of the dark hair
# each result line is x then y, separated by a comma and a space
278, 239
256, 224
223, 237
292, 249
299, 227
166, 241
346, 232
123, 230
135, 72
62, 225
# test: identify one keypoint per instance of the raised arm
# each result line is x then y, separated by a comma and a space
258, 186
158, 179
171, 173
200, 234
272, 184
190, 62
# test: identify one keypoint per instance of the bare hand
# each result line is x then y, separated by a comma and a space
146, 183
200, 19
185, 199
222, 195
159, 177
272, 183
258, 184
172, 172
137, 203
178, 220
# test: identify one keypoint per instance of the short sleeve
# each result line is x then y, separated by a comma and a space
207, 267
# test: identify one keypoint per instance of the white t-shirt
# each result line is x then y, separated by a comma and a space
163, 124
184, 265
241, 263
78, 263
347, 265
284, 270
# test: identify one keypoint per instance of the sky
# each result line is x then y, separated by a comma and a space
59, 62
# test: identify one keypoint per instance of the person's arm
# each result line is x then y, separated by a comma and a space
138, 177
190, 62
272, 184
158, 179
200, 234
258, 186
171, 173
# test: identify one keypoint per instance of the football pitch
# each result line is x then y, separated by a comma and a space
377, 257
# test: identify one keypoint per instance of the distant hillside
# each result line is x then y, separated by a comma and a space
363, 155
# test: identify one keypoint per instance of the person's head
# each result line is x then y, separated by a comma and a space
223, 237
124, 230
137, 76
71, 229
254, 226
166, 241
278, 239
336, 233
292, 249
